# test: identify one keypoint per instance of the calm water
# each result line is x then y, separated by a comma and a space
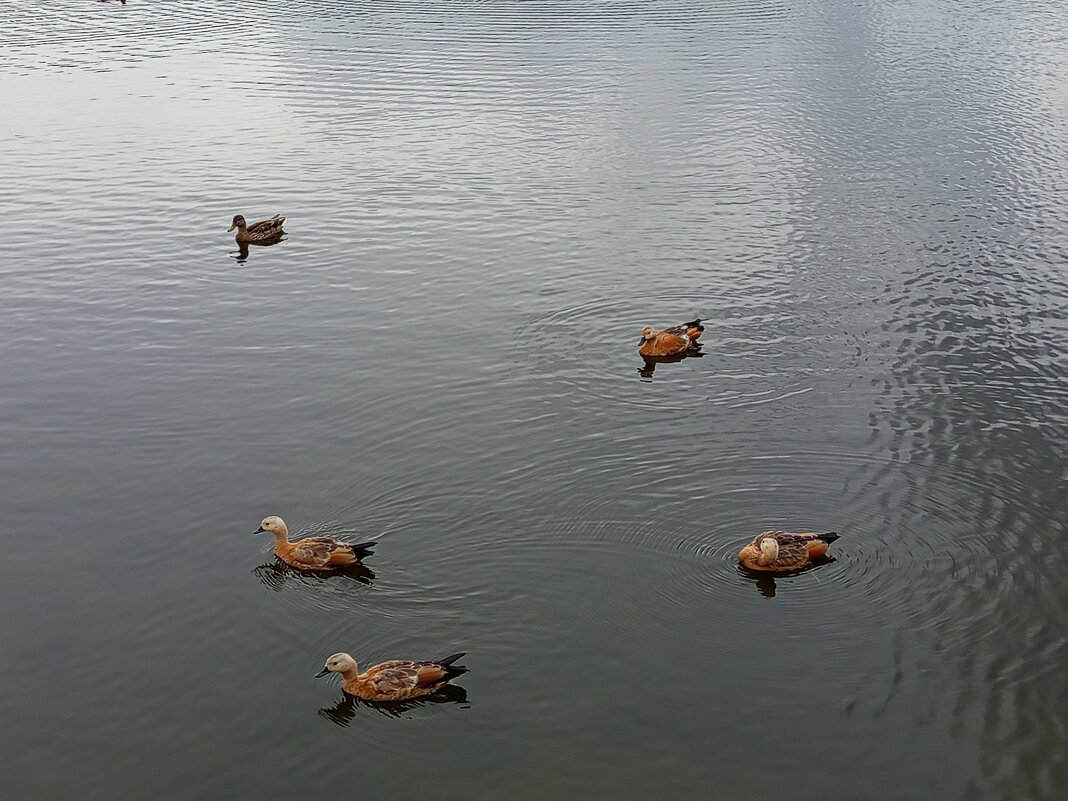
487, 201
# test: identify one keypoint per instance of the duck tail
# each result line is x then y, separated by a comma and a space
830, 536
363, 549
695, 324
451, 670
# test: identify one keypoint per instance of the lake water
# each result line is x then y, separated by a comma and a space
866, 202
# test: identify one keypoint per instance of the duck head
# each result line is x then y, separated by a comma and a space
338, 663
647, 333
769, 551
273, 525
239, 223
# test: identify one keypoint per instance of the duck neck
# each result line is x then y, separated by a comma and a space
281, 539
351, 674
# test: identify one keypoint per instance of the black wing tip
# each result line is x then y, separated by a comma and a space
830, 536
447, 661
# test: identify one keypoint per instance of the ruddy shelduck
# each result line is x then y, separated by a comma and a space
396, 680
671, 341
313, 553
780, 551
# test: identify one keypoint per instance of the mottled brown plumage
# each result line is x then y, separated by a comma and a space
781, 551
396, 680
313, 553
671, 341
258, 231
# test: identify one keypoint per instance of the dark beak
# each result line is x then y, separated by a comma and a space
260, 530
321, 673
231, 228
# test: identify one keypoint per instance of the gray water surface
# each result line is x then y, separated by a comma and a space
487, 201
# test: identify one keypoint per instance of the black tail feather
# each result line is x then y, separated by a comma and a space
451, 670
830, 536
695, 324
362, 549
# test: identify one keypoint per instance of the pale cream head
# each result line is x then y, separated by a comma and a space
648, 332
769, 551
339, 663
275, 525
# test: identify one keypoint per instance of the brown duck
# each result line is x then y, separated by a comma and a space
258, 231
313, 553
780, 551
671, 341
396, 680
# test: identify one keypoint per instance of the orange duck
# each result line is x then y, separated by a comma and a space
313, 553
396, 680
671, 341
780, 551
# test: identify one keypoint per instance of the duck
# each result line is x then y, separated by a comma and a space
779, 551
671, 341
258, 231
313, 553
396, 680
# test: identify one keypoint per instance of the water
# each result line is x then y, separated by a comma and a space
487, 201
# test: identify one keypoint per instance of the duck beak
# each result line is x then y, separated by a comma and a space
260, 530
321, 673
231, 228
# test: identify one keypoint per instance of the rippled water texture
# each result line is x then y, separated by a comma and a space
865, 202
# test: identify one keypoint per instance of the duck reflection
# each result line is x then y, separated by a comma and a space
765, 582
344, 711
242, 247
274, 575
646, 370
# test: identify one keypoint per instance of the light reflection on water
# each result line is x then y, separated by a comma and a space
485, 204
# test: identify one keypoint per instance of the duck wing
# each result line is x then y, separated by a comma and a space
394, 680
329, 541
664, 343
813, 536
314, 551
264, 226
816, 543
399, 679
342, 552
691, 330
793, 552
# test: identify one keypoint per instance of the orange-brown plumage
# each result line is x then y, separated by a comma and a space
671, 341
396, 680
314, 553
780, 551
817, 548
